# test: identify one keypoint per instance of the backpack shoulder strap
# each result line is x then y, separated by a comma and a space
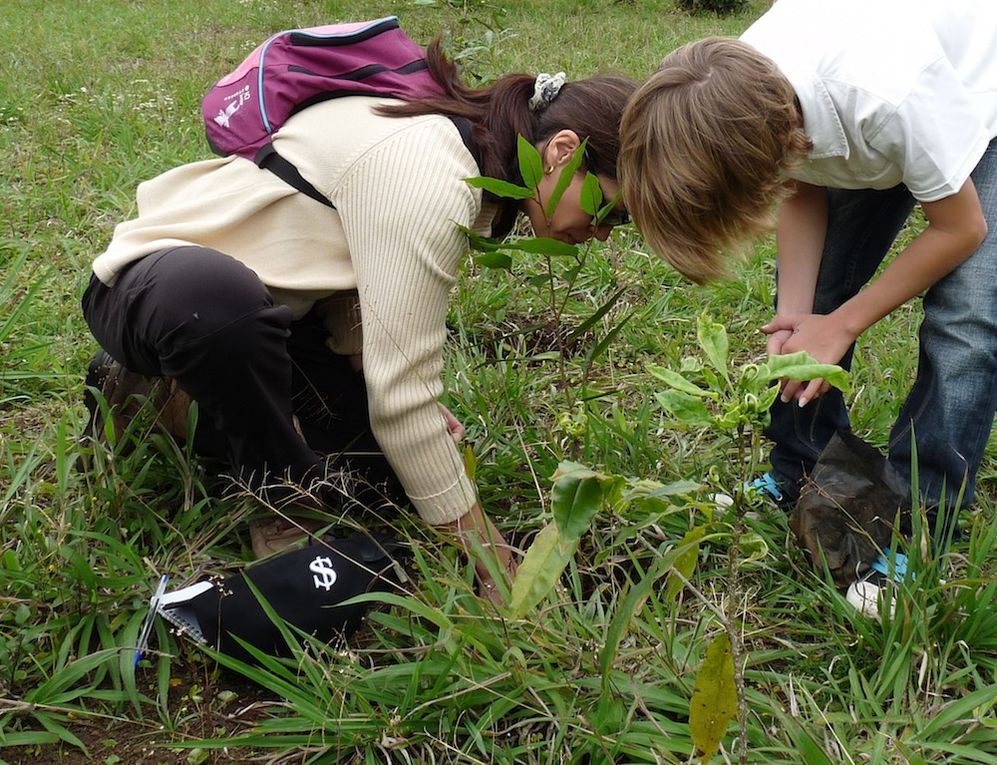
269, 159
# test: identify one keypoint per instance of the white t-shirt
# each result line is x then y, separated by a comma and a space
892, 91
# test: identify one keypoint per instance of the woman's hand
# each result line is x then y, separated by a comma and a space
474, 529
454, 426
826, 338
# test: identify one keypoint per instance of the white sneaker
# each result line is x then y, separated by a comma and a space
868, 594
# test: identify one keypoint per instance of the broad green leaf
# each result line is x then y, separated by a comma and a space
686, 409
678, 382
530, 164
576, 498
714, 698
479, 242
803, 366
713, 340
767, 397
690, 364
541, 567
494, 260
564, 179
501, 188
591, 197
649, 488
542, 245
9, 561
687, 554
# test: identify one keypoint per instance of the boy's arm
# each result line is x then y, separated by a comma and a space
956, 227
802, 225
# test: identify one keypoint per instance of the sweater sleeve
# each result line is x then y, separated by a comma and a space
400, 203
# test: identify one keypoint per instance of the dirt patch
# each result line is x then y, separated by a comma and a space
203, 703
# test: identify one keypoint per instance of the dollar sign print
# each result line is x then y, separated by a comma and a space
324, 573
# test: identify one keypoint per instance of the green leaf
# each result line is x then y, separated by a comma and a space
767, 397
631, 606
576, 498
599, 313
530, 164
686, 409
609, 206
470, 462
591, 196
678, 382
595, 351
687, 554
714, 698
803, 366
542, 245
753, 546
541, 567
713, 340
501, 188
810, 751
478, 242
411, 604
564, 179
494, 260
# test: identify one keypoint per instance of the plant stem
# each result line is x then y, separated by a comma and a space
733, 601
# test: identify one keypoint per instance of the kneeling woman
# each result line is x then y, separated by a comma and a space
268, 307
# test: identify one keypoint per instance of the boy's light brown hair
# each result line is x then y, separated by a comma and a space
705, 145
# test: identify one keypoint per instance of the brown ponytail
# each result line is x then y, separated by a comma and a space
592, 107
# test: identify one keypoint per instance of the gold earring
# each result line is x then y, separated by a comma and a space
550, 169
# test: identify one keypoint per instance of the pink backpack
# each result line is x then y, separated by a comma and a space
299, 67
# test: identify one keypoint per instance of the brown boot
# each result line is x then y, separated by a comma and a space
124, 391
273, 534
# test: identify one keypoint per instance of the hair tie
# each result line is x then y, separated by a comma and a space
545, 90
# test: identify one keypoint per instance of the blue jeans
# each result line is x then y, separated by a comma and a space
950, 409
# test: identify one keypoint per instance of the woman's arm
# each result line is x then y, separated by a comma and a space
399, 205
475, 529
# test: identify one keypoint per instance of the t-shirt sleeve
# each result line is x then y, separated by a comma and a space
935, 135
400, 205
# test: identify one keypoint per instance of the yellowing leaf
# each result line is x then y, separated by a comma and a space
470, 462
714, 698
541, 567
685, 561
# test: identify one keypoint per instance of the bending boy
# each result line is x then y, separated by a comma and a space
846, 119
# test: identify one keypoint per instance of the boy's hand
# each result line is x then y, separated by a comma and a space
823, 337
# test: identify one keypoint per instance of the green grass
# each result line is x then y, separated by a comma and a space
97, 96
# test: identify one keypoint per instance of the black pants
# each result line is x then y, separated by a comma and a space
204, 319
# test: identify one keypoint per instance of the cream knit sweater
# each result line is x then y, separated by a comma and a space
392, 242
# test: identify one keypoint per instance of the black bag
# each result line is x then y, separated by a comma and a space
304, 587
847, 509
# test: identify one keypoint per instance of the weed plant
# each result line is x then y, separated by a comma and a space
97, 96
